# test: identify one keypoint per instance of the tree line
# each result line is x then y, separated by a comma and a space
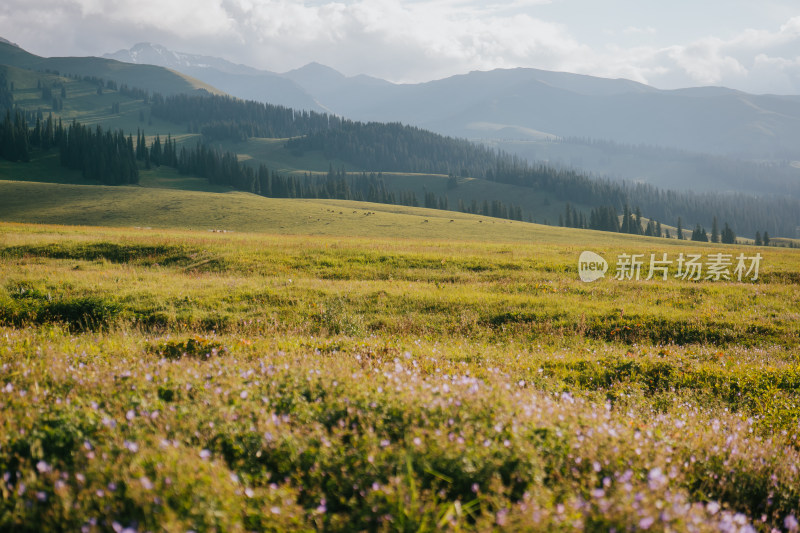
104, 156
224, 168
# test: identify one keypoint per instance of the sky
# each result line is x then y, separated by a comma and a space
748, 45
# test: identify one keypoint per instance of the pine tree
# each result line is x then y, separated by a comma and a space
699, 234
728, 236
759, 242
638, 229
714, 231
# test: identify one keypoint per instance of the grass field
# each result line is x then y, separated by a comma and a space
444, 376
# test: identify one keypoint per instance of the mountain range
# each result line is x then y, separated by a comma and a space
238, 80
519, 104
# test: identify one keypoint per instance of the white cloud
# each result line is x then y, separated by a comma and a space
405, 40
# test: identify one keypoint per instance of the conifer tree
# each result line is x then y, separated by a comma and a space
714, 231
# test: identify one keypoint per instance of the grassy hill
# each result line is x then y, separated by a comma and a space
94, 205
82, 102
155, 79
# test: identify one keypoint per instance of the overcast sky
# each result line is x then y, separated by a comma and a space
744, 44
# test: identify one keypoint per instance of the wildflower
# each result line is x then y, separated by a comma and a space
146, 483
130, 415
250, 493
656, 479
275, 510
43, 467
712, 507
790, 523
205, 454
646, 522
243, 395
417, 441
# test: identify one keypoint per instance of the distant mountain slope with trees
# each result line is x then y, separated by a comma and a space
395, 147
369, 148
148, 77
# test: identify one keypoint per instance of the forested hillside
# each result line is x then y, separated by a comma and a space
362, 151
395, 147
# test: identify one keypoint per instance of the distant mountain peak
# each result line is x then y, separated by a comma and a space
315, 69
146, 53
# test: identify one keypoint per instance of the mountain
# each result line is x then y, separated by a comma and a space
148, 77
328, 86
237, 80
520, 104
530, 103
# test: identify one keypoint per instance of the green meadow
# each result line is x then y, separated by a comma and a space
239, 363
178, 356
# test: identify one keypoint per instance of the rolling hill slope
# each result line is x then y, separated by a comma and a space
148, 77
95, 205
